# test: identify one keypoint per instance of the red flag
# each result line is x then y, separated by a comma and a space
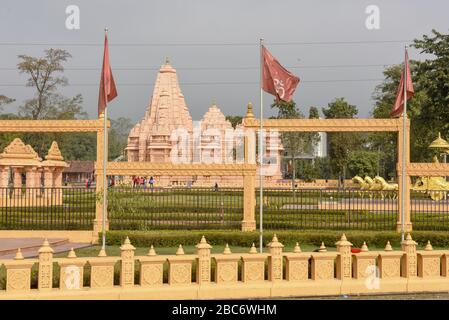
276, 79
398, 107
108, 90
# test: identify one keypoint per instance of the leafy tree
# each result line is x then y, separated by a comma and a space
5, 100
428, 109
363, 163
118, 136
43, 77
295, 143
341, 143
234, 120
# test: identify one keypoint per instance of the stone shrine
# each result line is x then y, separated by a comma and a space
43, 179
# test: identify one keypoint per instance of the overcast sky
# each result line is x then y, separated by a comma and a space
305, 36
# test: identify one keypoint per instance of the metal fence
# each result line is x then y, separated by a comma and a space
73, 208
428, 214
47, 208
174, 208
335, 209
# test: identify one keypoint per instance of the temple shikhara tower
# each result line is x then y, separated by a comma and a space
156, 137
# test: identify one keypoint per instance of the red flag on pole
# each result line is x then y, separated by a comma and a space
276, 79
398, 107
108, 90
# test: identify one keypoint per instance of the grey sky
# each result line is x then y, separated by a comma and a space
192, 22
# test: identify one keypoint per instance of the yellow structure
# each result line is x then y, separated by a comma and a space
18, 158
289, 274
247, 169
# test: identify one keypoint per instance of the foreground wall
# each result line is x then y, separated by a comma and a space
231, 275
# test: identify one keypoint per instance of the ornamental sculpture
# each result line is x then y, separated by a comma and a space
43, 179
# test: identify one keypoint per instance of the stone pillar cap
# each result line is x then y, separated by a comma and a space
275, 243
408, 240
343, 241
203, 244
45, 247
127, 245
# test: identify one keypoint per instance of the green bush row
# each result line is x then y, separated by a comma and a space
245, 239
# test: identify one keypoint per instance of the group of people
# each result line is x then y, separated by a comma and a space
142, 182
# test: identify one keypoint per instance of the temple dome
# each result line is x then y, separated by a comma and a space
214, 118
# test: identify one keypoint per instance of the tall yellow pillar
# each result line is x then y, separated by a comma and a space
407, 218
99, 187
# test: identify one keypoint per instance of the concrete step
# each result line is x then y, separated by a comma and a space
10, 245
30, 246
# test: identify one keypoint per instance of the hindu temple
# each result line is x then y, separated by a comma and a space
151, 139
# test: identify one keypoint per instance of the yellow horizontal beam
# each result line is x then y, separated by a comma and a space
52, 125
327, 125
169, 169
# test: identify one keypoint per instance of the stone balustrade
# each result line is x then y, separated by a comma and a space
206, 275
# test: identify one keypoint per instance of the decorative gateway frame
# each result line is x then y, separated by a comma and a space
247, 169
362, 125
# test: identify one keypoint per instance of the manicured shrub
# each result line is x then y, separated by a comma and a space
172, 238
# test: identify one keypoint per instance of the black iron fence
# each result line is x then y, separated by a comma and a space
174, 208
73, 208
430, 210
47, 208
336, 209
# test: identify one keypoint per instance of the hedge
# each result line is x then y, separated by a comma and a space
245, 239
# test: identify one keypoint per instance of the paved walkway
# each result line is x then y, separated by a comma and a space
30, 246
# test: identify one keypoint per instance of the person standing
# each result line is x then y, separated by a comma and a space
151, 182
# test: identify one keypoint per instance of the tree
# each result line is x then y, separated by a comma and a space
312, 138
295, 143
5, 100
427, 109
118, 136
341, 143
234, 120
363, 163
43, 76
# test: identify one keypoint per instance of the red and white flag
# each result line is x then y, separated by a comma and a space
108, 91
398, 107
276, 79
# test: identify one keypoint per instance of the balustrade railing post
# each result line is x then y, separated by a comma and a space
344, 259
203, 269
409, 263
45, 274
127, 264
275, 260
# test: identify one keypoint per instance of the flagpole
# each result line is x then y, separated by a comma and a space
261, 152
105, 155
404, 150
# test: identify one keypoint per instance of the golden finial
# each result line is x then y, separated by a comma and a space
388, 247
180, 250
71, 254
19, 255
428, 246
249, 112
227, 250
322, 248
297, 248
439, 143
102, 253
364, 247
253, 249
151, 252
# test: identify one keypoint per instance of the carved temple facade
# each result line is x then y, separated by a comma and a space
43, 179
156, 137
